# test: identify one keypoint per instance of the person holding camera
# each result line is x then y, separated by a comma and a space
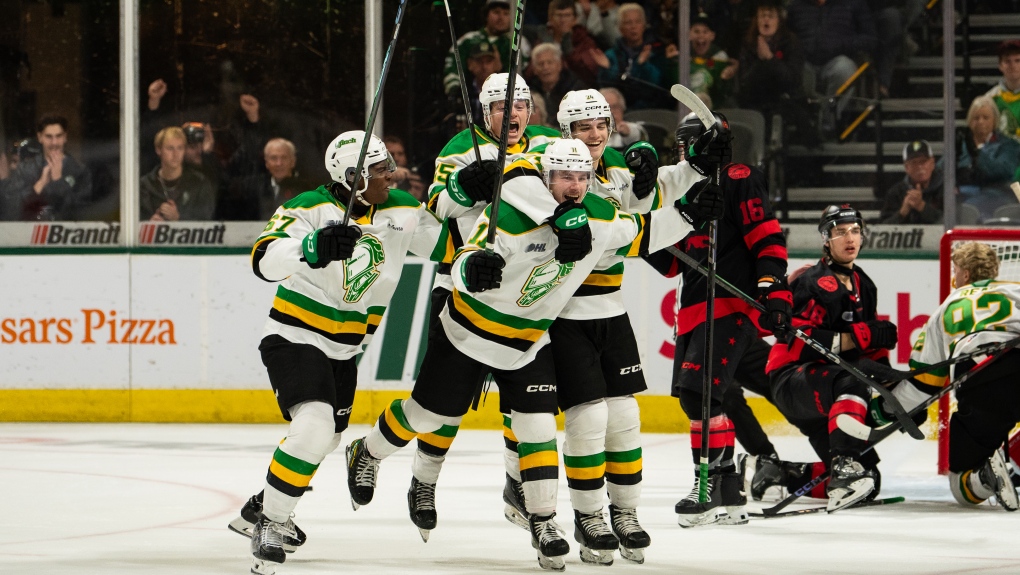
175, 190
987, 160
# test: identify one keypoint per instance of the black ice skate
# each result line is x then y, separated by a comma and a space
267, 545
734, 499
692, 513
597, 541
995, 476
362, 470
546, 539
633, 539
848, 483
245, 524
421, 504
515, 511
768, 475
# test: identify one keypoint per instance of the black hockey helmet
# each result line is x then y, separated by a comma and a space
841, 214
691, 128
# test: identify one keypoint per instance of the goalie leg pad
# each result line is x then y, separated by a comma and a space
623, 452
584, 457
536, 433
310, 438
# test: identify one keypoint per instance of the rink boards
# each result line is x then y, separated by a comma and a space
173, 338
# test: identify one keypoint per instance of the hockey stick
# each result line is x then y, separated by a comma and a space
352, 177
463, 83
879, 434
504, 136
891, 402
689, 99
820, 508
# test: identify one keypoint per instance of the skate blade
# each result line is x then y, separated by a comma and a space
633, 555
262, 567
551, 563
735, 516
710, 517
597, 556
354, 504
1005, 495
424, 534
843, 497
514, 516
244, 529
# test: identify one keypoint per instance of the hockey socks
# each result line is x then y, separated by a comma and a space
721, 438
584, 457
623, 452
536, 433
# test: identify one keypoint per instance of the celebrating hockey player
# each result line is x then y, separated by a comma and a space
980, 310
551, 235
834, 302
752, 256
323, 316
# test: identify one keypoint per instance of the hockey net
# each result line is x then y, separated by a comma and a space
1006, 243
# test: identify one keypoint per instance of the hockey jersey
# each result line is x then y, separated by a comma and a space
504, 328
750, 244
339, 307
458, 153
824, 308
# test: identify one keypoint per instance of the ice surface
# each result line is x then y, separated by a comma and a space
156, 499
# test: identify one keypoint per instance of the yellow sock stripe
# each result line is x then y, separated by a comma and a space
539, 459
295, 479
965, 490
623, 467
436, 440
586, 472
398, 429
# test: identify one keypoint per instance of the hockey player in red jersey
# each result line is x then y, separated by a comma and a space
751, 255
834, 302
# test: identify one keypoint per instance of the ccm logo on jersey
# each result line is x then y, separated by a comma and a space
631, 369
543, 387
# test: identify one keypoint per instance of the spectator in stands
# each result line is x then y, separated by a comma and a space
987, 160
404, 178
496, 31
712, 69
49, 185
626, 133
483, 61
548, 76
256, 196
579, 52
891, 29
1007, 92
174, 190
636, 62
917, 198
832, 34
198, 152
540, 114
602, 19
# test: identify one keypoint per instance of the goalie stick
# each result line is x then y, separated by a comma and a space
879, 434
891, 402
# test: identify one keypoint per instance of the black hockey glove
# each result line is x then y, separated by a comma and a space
473, 183
483, 271
775, 295
570, 224
711, 150
874, 334
701, 205
329, 244
879, 416
643, 161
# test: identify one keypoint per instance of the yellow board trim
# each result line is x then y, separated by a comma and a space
492, 327
295, 479
623, 468
325, 324
540, 459
586, 472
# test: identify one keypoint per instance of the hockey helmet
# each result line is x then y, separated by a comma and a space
566, 154
691, 128
841, 214
494, 90
583, 105
342, 155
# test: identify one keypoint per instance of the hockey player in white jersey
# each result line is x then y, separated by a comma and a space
551, 235
335, 284
980, 310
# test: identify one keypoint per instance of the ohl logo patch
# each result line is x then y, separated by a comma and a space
362, 269
542, 280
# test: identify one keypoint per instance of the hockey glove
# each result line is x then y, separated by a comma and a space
483, 271
711, 150
878, 416
701, 205
643, 161
775, 295
570, 224
473, 183
874, 334
329, 244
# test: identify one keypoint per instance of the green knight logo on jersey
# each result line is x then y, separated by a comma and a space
361, 271
542, 280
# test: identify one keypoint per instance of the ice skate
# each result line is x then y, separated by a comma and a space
734, 498
848, 483
995, 475
421, 503
267, 545
768, 477
362, 470
633, 539
546, 539
515, 511
245, 524
692, 513
596, 539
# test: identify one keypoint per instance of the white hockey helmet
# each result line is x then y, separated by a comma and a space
342, 155
494, 90
566, 154
583, 105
